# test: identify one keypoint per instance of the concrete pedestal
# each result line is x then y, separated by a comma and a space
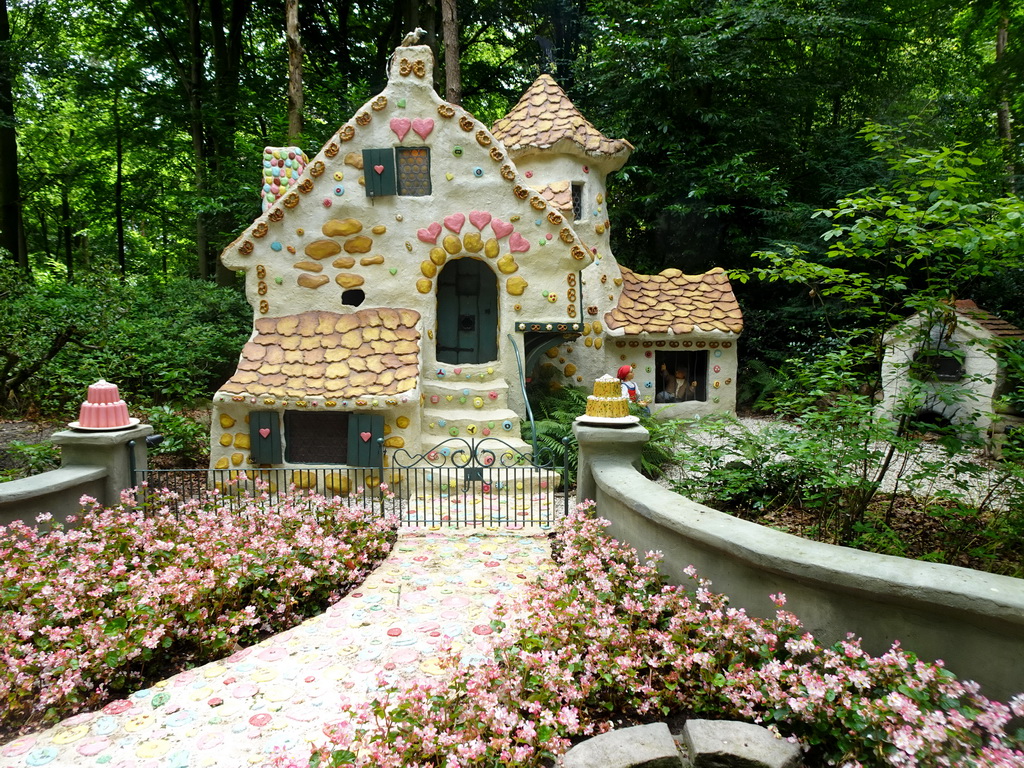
625, 442
109, 450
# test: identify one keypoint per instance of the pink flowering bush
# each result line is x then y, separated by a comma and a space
604, 641
121, 595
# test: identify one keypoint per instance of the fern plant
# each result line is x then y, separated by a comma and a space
555, 413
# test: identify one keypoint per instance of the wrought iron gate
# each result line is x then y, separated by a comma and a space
486, 482
459, 483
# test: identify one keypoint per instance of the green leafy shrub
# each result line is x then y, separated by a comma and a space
159, 341
24, 459
182, 435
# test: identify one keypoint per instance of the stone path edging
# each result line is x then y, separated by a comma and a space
702, 744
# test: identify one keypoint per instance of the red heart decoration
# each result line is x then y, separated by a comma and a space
401, 126
518, 243
479, 219
366, 436
455, 222
379, 169
501, 228
422, 126
429, 235
264, 432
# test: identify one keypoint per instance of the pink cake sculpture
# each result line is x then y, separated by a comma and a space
104, 408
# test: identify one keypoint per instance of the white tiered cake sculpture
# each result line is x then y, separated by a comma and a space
103, 409
607, 402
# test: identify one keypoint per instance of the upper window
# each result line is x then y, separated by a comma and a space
577, 200
413, 165
399, 171
943, 364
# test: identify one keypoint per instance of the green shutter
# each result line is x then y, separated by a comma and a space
379, 172
265, 437
364, 430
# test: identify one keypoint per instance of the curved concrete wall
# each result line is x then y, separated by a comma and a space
972, 621
96, 464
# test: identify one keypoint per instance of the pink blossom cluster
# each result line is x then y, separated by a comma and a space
605, 641
121, 594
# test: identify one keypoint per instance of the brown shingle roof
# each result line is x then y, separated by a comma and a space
544, 116
672, 301
325, 354
988, 321
559, 194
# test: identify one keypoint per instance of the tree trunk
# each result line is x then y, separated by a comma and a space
1003, 109
192, 82
119, 185
11, 236
295, 97
452, 68
66, 230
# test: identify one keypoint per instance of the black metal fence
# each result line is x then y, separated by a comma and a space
459, 483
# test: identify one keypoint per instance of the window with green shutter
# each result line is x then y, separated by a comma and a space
316, 437
265, 437
379, 172
364, 431
402, 171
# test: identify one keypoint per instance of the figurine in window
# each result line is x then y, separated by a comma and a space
667, 393
685, 389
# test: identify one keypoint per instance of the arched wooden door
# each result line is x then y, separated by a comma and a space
467, 312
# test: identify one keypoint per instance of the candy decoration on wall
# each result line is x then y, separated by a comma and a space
282, 167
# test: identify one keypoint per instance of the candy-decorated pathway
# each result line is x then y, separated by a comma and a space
279, 694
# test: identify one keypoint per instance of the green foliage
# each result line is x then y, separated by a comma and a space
828, 465
556, 410
172, 341
554, 413
182, 436
926, 236
22, 459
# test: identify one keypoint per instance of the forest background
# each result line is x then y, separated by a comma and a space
131, 135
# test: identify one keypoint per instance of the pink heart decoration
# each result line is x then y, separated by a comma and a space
517, 243
457, 371
479, 219
455, 222
501, 228
401, 126
429, 235
379, 169
422, 126
366, 436
264, 432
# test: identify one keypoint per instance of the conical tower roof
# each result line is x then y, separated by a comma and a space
545, 118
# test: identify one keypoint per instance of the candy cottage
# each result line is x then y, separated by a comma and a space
386, 283
397, 276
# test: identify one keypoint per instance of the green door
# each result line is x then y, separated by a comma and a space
467, 313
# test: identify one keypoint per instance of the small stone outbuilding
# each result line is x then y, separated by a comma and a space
949, 364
